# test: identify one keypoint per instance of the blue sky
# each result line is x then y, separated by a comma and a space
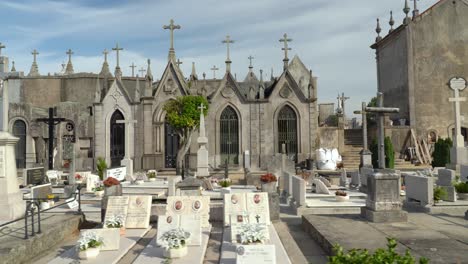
332, 37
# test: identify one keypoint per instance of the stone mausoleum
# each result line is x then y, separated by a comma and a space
252, 114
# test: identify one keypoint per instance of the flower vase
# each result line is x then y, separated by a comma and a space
89, 253
44, 205
152, 179
115, 190
225, 190
175, 252
78, 181
99, 193
122, 231
340, 198
269, 187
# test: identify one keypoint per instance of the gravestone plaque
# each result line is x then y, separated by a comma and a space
166, 223
192, 224
34, 176
234, 203
41, 191
236, 222
258, 254
110, 237
195, 205
117, 206
117, 173
258, 208
72, 203
91, 182
139, 211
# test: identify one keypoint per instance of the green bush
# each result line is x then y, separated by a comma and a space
439, 193
389, 153
101, 166
461, 187
375, 155
362, 256
441, 154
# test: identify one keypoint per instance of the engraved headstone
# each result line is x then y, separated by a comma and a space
258, 254
166, 223
34, 176
234, 203
192, 223
116, 206
117, 173
139, 211
258, 207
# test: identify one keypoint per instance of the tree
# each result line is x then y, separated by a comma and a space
389, 153
371, 117
441, 154
374, 148
184, 116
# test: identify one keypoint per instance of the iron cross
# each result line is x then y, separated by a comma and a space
51, 121
227, 41
172, 27
1, 47
35, 53
69, 53
285, 39
117, 50
133, 69
214, 69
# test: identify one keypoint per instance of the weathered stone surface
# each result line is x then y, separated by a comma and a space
273, 203
420, 188
298, 190
320, 187
445, 177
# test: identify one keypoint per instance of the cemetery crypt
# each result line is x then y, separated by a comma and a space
255, 114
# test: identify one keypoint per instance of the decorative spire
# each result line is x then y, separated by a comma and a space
378, 30
2, 46
133, 66
406, 10
118, 72
97, 93
171, 27
262, 86
105, 66
69, 69
311, 85
285, 40
272, 78
149, 74
250, 63
228, 41
415, 10
391, 22
193, 75
149, 80
34, 68
13, 69
204, 75
137, 89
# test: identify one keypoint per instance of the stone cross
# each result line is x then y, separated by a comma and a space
457, 85
285, 40
105, 52
117, 50
142, 71
227, 41
171, 28
51, 121
1, 47
127, 135
202, 120
415, 9
381, 111
250, 59
133, 69
214, 69
178, 63
69, 53
341, 102
34, 53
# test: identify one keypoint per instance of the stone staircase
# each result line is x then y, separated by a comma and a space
352, 147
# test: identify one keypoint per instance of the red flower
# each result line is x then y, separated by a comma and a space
111, 182
269, 177
78, 177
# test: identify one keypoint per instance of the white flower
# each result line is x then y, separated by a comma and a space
174, 238
114, 221
251, 233
89, 239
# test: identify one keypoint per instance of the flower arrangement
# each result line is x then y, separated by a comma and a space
99, 187
151, 174
252, 233
267, 178
89, 240
109, 182
78, 177
341, 193
175, 238
225, 183
115, 221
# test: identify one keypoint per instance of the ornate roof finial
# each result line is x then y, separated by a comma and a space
1, 47
262, 86
204, 75
171, 27
250, 64
105, 66
193, 75
118, 72
271, 75
228, 41
133, 66
34, 68
285, 39
391, 22
69, 69
415, 10
13, 69
406, 10
378, 30
149, 74
214, 69
149, 80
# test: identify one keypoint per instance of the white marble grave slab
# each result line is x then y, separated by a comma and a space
166, 223
234, 203
91, 182
258, 254
116, 205
139, 211
154, 254
192, 224
41, 191
110, 237
257, 207
131, 237
117, 173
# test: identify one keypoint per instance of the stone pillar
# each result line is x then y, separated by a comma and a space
383, 203
202, 153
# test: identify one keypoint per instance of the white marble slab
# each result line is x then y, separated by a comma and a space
196, 254
332, 202
109, 257
228, 249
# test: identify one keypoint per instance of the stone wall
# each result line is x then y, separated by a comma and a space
328, 137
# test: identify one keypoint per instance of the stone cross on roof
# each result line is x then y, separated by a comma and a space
171, 28
285, 40
34, 71
214, 69
1, 47
228, 41
69, 53
69, 69
142, 71
178, 63
34, 53
250, 59
117, 49
105, 52
133, 69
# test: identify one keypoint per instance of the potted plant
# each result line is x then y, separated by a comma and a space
89, 245
112, 187
78, 179
252, 234
116, 221
151, 175
51, 199
98, 190
341, 196
44, 204
439, 194
462, 190
214, 181
101, 166
225, 186
174, 243
268, 182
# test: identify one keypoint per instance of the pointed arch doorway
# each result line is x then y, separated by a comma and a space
229, 136
287, 131
117, 139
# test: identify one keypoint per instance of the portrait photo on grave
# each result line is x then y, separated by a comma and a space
197, 205
234, 199
257, 198
178, 205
